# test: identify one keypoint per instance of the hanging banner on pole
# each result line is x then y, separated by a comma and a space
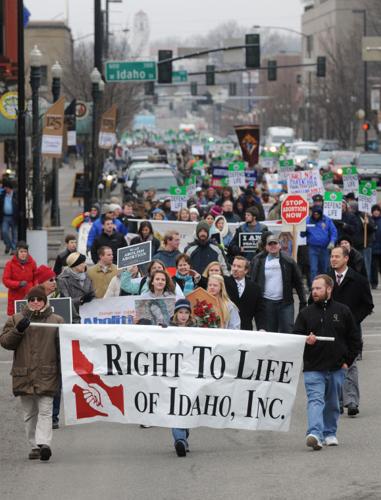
53, 130
107, 132
248, 138
176, 377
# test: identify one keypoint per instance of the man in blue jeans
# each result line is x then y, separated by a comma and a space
8, 216
321, 237
325, 362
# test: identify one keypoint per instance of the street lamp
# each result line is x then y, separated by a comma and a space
35, 58
56, 71
95, 78
362, 12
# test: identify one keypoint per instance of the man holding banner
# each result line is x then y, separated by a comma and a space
325, 362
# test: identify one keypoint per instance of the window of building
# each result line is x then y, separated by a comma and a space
309, 45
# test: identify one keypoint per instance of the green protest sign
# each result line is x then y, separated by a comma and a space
327, 178
289, 163
178, 190
366, 188
236, 166
349, 170
333, 196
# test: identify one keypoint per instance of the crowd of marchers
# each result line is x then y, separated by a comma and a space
336, 268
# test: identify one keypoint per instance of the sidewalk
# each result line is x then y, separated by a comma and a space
69, 208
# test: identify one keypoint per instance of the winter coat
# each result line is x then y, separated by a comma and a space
358, 237
15, 210
328, 319
321, 233
155, 242
14, 272
69, 286
376, 245
35, 368
346, 227
101, 279
114, 241
168, 258
203, 254
291, 276
97, 229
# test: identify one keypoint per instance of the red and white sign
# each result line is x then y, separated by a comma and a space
294, 209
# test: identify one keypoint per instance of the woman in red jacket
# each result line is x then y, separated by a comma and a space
19, 275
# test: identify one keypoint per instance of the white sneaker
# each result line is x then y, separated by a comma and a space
314, 442
331, 441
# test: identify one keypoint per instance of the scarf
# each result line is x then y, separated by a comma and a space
188, 283
81, 277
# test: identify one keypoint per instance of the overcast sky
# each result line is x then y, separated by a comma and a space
180, 18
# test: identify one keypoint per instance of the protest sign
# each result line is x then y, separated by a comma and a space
306, 182
107, 132
182, 378
327, 178
367, 190
236, 174
285, 166
157, 310
198, 150
59, 305
219, 175
350, 180
110, 310
251, 177
333, 205
199, 168
179, 197
248, 242
134, 255
190, 183
273, 185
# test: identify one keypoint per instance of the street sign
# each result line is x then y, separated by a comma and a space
81, 109
136, 71
371, 48
294, 209
179, 76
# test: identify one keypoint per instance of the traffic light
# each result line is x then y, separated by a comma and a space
149, 88
164, 69
365, 126
252, 54
321, 67
272, 71
232, 88
210, 75
193, 88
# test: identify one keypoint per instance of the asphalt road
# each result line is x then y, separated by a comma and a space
100, 461
125, 462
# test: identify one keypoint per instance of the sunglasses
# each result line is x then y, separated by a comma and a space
35, 299
52, 280
273, 243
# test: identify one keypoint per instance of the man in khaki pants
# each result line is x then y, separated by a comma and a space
35, 368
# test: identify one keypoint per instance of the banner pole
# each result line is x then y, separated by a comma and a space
294, 242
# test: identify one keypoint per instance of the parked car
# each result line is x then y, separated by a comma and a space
339, 160
137, 168
369, 167
160, 179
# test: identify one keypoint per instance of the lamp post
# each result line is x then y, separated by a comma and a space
55, 208
35, 78
362, 12
95, 78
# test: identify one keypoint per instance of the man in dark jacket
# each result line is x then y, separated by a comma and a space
109, 238
346, 227
71, 246
245, 294
202, 252
277, 275
9, 216
249, 226
351, 289
35, 368
376, 246
325, 362
356, 260
364, 246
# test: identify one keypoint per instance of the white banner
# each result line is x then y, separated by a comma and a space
181, 378
109, 310
306, 182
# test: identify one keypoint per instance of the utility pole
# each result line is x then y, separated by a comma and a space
21, 132
98, 36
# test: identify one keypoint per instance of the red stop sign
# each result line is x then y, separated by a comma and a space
294, 209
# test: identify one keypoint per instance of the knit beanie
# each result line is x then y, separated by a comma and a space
37, 291
183, 304
44, 273
74, 259
202, 225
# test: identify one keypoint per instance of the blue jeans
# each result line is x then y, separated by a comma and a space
367, 254
181, 435
318, 260
8, 226
279, 316
323, 391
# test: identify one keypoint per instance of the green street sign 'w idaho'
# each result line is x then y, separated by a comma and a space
124, 71
179, 76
